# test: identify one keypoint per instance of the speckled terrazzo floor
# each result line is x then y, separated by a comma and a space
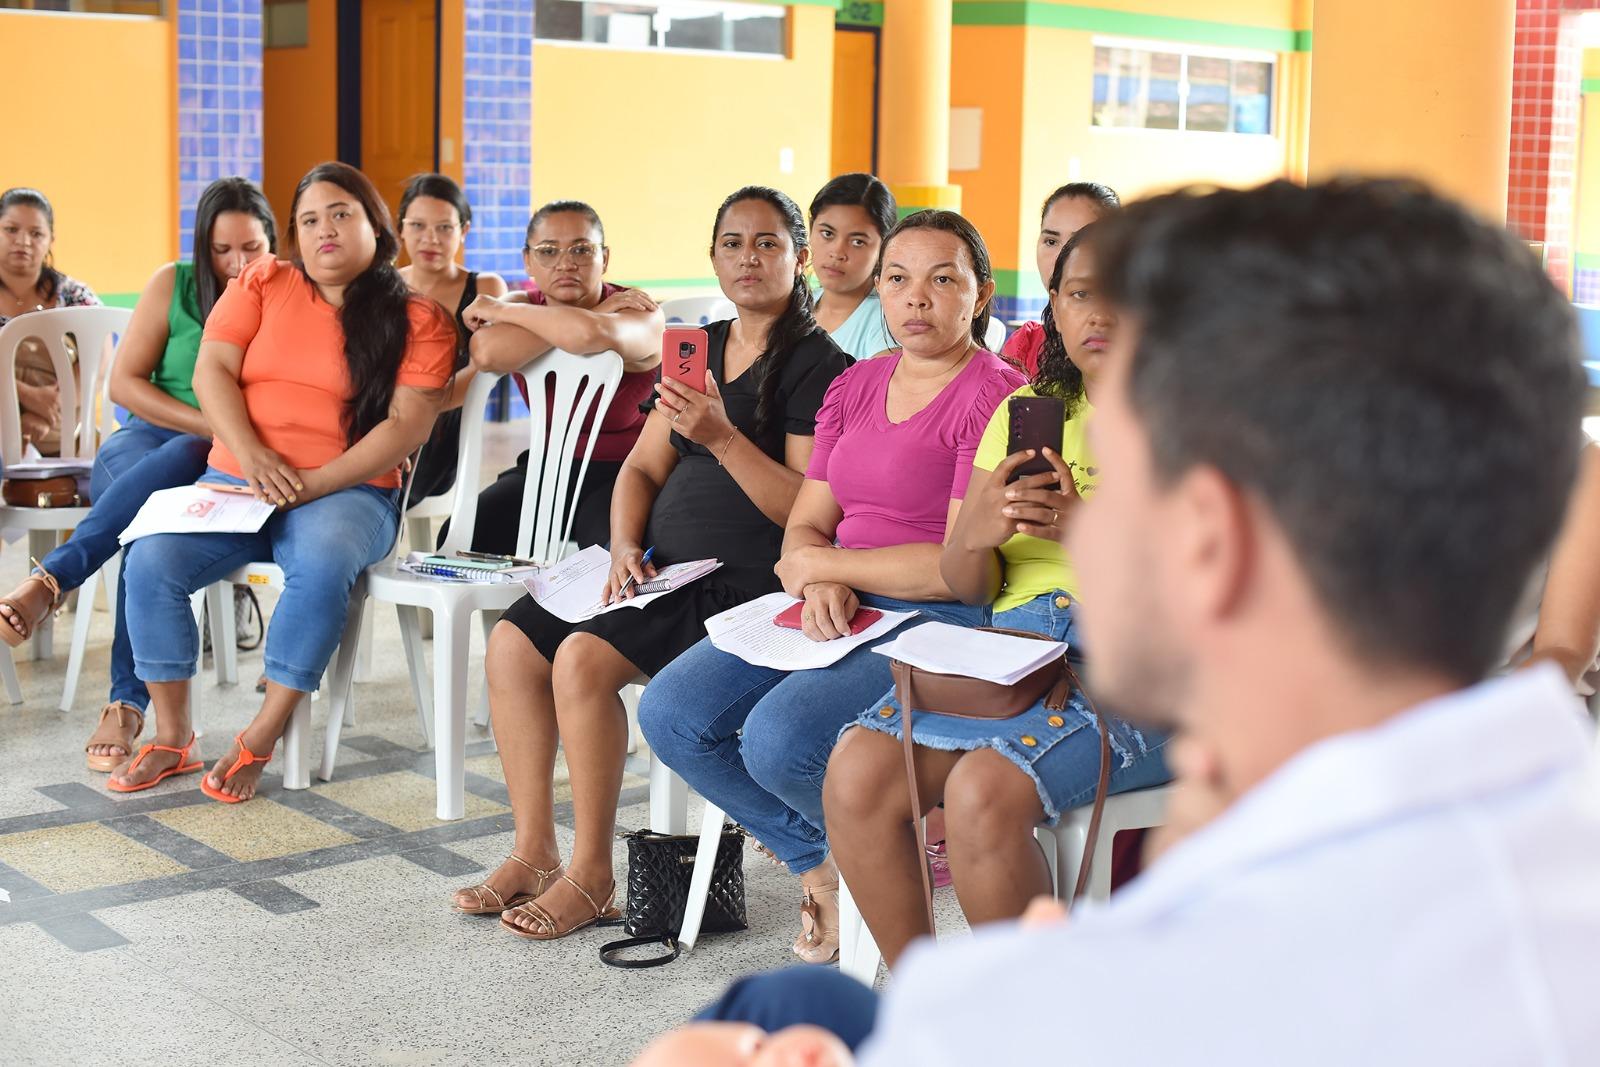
305, 927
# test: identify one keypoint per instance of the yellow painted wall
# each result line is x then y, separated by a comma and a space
299, 99
1586, 231
655, 141
96, 133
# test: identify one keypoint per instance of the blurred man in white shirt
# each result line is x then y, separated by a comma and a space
1332, 449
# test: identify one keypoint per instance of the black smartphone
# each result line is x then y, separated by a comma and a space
1036, 423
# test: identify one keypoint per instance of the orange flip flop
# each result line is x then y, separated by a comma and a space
182, 767
246, 759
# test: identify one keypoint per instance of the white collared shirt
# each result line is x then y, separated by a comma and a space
1426, 892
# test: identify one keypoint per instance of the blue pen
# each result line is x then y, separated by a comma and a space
627, 585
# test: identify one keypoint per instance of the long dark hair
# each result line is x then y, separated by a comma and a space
1104, 197
375, 317
49, 278
1057, 375
438, 187
223, 195
858, 190
796, 323
951, 222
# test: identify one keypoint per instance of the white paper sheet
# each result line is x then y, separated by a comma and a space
571, 589
946, 649
748, 632
197, 509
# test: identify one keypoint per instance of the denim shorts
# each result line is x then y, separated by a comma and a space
1058, 750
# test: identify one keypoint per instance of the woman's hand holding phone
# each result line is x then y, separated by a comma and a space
695, 416
627, 561
1040, 505
829, 607
990, 515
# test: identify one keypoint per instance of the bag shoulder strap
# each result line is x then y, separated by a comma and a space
609, 952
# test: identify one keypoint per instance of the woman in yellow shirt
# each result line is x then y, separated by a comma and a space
998, 779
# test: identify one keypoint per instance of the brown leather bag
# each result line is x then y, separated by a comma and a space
974, 698
60, 492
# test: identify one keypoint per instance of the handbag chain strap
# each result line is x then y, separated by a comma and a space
904, 674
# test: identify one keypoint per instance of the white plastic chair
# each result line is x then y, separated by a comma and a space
582, 383
994, 338
93, 330
698, 310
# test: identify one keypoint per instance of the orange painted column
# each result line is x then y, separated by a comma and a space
1420, 88
914, 135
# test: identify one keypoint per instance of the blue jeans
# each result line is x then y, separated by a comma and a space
322, 547
770, 779
132, 463
794, 996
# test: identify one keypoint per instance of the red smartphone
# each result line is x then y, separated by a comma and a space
1036, 422
683, 356
789, 618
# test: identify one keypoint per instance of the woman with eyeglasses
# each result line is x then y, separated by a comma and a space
572, 308
434, 220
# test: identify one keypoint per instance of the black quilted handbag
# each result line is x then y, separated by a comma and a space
659, 869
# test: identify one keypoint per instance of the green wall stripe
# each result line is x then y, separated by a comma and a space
860, 13
669, 283
1019, 283
1586, 260
1129, 24
1591, 85
119, 300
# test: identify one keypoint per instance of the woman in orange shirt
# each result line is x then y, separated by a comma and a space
318, 376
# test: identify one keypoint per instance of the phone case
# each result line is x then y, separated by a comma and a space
683, 356
789, 618
1035, 422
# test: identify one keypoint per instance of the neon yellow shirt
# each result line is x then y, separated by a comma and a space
1033, 565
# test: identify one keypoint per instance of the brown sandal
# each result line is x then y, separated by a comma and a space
817, 943
500, 904
18, 627
119, 734
548, 929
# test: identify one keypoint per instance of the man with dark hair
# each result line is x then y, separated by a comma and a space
1338, 434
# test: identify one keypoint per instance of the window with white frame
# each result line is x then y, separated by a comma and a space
692, 25
1152, 88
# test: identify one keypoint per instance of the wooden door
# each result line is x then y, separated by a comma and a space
855, 100
397, 92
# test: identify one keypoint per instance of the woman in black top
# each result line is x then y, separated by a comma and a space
712, 475
434, 220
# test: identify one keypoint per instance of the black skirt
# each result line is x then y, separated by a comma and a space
649, 637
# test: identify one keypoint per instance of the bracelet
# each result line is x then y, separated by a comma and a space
725, 446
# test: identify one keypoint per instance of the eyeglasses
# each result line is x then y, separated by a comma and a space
548, 255
442, 230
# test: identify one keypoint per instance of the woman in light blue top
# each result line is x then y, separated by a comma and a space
849, 218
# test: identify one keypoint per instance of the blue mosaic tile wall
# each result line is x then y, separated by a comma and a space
219, 99
1019, 308
497, 127
1586, 286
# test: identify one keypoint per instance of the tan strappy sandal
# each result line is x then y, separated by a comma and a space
546, 928
498, 904
817, 943
116, 733
17, 627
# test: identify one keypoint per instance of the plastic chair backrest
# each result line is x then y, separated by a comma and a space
92, 329
698, 310
555, 418
995, 337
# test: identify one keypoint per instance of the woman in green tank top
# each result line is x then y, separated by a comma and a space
162, 443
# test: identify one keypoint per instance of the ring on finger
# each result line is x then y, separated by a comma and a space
678, 416
1054, 514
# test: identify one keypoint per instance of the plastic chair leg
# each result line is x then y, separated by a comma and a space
80, 639
8, 672
40, 542
342, 672
297, 746
480, 706
224, 634
858, 952
417, 664
669, 800
197, 602
364, 649
705, 858
1047, 844
451, 635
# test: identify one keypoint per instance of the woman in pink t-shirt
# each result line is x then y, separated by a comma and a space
1066, 211
894, 447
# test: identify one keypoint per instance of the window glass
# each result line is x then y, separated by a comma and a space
1145, 88
697, 25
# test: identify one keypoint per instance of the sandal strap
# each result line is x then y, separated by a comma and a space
477, 891
597, 909
46, 579
145, 750
546, 922
121, 708
543, 875
246, 757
